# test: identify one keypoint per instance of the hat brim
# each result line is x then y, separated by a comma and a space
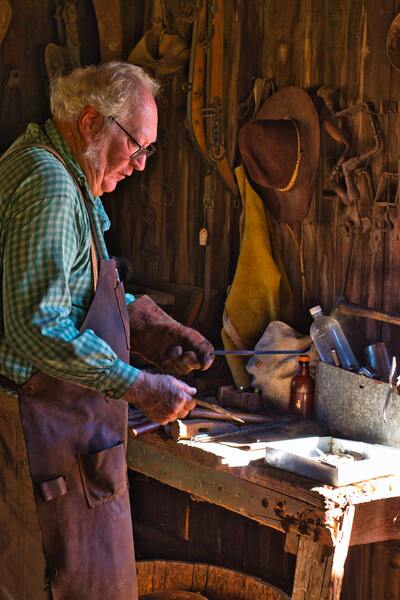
294, 102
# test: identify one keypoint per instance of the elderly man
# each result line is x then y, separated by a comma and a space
65, 342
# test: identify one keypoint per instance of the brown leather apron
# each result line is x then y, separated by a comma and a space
76, 442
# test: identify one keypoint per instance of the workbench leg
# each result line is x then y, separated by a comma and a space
320, 568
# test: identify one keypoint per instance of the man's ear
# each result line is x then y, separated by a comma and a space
90, 123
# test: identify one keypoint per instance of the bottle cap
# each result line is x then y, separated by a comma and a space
315, 310
304, 358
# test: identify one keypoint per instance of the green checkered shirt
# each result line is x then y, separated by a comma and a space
47, 283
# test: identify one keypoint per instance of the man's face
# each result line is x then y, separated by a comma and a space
113, 154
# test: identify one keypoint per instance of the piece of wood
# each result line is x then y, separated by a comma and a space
172, 596
179, 579
193, 308
144, 573
292, 543
211, 580
314, 561
228, 395
187, 429
376, 521
340, 555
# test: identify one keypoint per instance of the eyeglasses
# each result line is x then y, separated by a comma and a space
142, 150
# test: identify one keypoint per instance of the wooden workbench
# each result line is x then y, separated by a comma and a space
320, 522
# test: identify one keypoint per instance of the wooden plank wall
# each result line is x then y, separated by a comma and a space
307, 43
148, 210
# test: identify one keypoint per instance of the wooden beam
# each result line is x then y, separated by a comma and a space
319, 569
268, 507
376, 522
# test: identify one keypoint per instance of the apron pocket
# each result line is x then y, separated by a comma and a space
54, 488
104, 474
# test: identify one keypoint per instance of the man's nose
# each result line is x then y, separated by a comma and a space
139, 163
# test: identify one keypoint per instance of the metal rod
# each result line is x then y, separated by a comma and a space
256, 352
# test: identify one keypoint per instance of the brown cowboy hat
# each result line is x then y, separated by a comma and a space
280, 151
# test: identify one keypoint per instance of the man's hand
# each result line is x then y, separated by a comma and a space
161, 398
166, 343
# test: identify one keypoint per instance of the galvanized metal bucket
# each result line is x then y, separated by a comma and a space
351, 405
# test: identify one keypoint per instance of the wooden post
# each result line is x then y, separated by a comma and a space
319, 568
314, 560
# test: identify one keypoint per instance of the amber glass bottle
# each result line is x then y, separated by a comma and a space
302, 390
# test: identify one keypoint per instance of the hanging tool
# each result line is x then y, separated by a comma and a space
350, 308
11, 106
62, 58
205, 116
393, 43
382, 220
350, 166
5, 17
109, 24
333, 180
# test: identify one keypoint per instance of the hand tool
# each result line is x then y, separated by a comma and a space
247, 429
350, 308
190, 428
218, 409
144, 428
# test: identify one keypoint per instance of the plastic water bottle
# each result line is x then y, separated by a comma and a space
330, 341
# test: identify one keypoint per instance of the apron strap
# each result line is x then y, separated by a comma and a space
95, 246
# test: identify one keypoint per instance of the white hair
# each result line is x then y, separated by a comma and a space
114, 89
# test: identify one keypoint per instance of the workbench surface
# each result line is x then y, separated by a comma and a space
319, 521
